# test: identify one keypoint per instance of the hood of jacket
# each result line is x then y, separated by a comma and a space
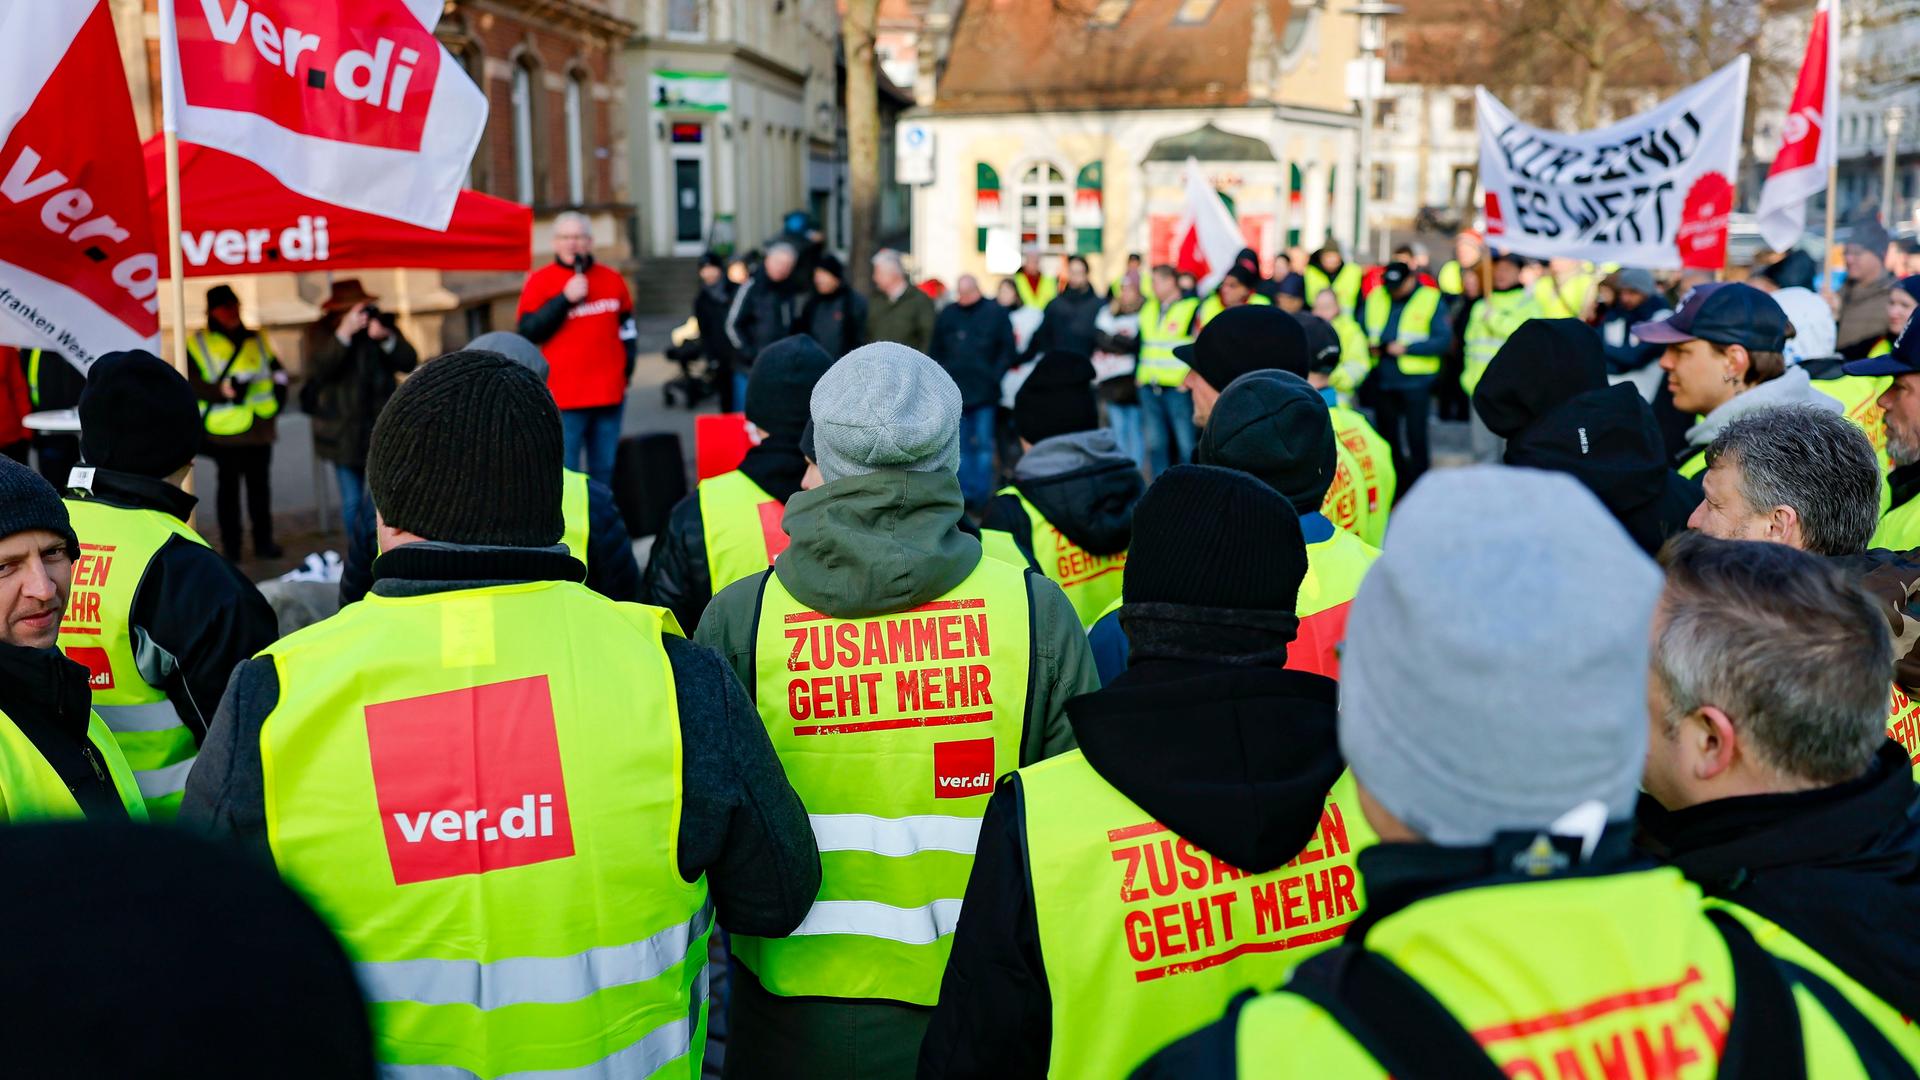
1243, 771
1609, 440
1085, 486
876, 543
1794, 387
1540, 366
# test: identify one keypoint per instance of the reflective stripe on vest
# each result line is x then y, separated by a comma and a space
1494, 319
1375, 460
573, 509
33, 376
118, 545
742, 527
1144, 936
1345, 285
1346, 501
449, 781
1090, 581
30, 789
1416, 325
214, 356
1160, 333
1335, 567
892, 730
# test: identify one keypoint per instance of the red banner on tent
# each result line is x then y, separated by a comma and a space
235, 218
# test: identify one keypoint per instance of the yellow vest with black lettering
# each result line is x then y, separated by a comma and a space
1610, 975
1559, 301
1213, 305
1144, 937
1091, 582
1345, 285
480, 791
1162, 331
892, 729
31, 791
253, 367
118, 545
1416, 325
1374, 457
741, 525
1033, 297
1493, 320
574, 509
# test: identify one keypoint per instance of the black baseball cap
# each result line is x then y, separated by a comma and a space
1323, 343
1724, 313
1251, 337
1395, 274
1904, 359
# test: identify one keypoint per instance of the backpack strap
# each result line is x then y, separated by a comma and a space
1764, 1038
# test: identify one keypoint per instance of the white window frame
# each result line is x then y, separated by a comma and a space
1037, 180
576, 94
523, 176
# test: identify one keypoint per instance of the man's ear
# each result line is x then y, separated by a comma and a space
1783, 525
1715, 744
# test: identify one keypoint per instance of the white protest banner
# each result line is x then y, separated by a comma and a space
352, 102
1651, 191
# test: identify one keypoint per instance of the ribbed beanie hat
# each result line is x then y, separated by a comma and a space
27, 501
468, 451
1274, 425
138, 415
780, 383
1218, 538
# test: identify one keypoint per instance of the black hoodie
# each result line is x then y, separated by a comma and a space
47, 698
1082, 485
1243, 774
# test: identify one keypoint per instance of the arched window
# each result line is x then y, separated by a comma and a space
523, 148
577, 163
1043, 207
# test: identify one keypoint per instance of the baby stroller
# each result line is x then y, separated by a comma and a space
699, 375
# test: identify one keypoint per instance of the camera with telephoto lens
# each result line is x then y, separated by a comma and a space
385, 318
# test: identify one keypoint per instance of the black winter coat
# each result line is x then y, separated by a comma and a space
348, 385
837, 321
677, 577
1067, 324
710, 308
974, 343
762, 313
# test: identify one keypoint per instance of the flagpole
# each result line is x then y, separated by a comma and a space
175, 260
1829, 144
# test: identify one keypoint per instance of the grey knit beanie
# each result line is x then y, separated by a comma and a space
885, 406
514, 347
1495, 670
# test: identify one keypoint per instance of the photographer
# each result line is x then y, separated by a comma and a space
354, 353
581, 315
241, 387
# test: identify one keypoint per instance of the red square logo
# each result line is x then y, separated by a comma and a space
469, 781
99, 668
962, 770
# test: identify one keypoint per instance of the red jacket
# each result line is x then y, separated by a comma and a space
15, 403
586, 344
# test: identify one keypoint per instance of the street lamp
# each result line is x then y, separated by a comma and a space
1370, 14
1896, 119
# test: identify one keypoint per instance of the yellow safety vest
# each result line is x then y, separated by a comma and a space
1213, 305
1451, 279
574, 510
118, 545
1577, 976
893, 729
1563, 301
1033, 297
1493, 320
1335, 568
1161, 333
480, 792
1416, 324
33, 375
1899, 527
1144, 936
1860, 395
1346, 502
1374, 458
31, 791
214, 354
741, 525
1091, 582
1903, 724
1356, 358
1345, 285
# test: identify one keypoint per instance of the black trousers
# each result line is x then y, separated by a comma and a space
253, 467
1401, 414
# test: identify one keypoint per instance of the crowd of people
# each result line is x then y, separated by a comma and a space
1070, 682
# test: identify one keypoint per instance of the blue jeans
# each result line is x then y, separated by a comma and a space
1166, 412
1125, 421
597, 432
976, 455
739, 389
353, 492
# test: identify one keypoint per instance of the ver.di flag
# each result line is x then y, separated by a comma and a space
1653, 191
1800, 168
1207, 239
78, 271
352, 102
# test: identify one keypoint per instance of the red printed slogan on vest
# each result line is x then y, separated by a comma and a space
938, 650
90, 572
469, 781
364, 75
1189, 911
1076, 566
1903, 723
1651, 1032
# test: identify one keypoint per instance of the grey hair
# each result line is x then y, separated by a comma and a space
1797, 656
572, 217
1817, 462
780, 247
890, 257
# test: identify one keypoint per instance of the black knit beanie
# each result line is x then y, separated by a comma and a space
781, 384
138, 415
1215, 538
1273, 425
27, 501
468, 451
1057, 398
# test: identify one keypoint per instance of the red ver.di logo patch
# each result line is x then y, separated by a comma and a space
469, 781
962, 770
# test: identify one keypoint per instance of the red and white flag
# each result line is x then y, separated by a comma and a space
78, 271
1207, 239
352, 102
1806, 147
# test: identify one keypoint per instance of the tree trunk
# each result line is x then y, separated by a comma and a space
1591, 88
863, 137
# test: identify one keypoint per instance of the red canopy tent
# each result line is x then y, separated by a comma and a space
237, 219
